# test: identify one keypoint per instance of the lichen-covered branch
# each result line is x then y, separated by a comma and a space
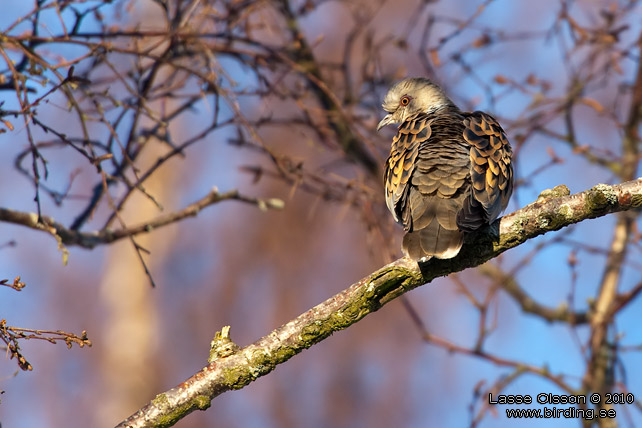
236, 369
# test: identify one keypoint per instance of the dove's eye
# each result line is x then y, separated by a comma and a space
405, 100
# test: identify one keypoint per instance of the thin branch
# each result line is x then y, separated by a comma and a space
70, 237
528, 304
16, 284
11, 335
484, 355
305, 63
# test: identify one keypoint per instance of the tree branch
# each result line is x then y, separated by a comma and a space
69, 236
236, 368
306, 63
528, 303
599, 373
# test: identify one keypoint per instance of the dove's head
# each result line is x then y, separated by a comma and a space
412, 96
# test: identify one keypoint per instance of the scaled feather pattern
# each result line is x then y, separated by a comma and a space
449, 172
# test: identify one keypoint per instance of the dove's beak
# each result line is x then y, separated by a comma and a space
387, 120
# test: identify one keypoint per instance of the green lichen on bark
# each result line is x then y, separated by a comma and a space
203, 402
385, 284
600, 197
222, 345
284, 353
515, 235
175, 413
555, 192
311, 332
160, 401
389, 283
260, 362
556, 219
566, 211
235, 377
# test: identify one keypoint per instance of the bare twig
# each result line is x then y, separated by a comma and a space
11, 335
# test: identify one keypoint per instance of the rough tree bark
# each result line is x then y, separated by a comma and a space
232, 367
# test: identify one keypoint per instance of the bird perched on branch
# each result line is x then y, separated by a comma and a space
449, 172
